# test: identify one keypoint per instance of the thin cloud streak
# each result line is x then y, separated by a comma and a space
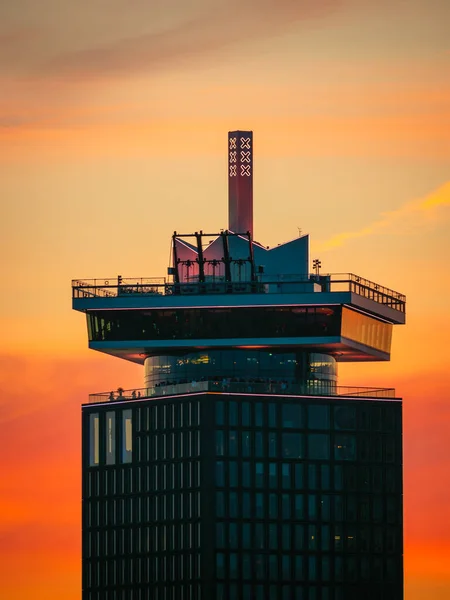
405, 220
219, 28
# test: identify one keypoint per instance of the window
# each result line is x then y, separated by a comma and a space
273, 479
219, 443
220, 473
292, 416
259, 444
94, 457
345, 447
220, 413
233, 566
318, 446
318, 416
292, 445
232, 413
344, 417
246, 414
127, 438
110, 438
286, 475
272, 444
259, 506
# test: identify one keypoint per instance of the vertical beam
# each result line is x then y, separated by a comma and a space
240, 181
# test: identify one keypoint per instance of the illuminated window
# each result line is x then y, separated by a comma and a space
94, 423
110, 438
127, 437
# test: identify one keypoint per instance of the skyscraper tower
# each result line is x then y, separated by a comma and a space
241, 469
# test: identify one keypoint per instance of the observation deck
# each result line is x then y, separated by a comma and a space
156, 292
344, 315
242, 387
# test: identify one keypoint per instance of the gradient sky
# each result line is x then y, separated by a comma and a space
113, 123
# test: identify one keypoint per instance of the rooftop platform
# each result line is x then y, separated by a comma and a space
147, 293
247, 388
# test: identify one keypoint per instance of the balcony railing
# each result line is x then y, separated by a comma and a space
279, 389
283, 284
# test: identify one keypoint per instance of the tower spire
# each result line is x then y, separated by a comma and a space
240, 181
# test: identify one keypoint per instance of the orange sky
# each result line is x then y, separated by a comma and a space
113, 123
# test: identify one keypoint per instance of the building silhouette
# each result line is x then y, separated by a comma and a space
241, 469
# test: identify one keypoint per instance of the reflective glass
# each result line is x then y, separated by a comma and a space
291, 445
344, 447
127, 437
94, 437
110, 438
318, 416
318, 446
291, 416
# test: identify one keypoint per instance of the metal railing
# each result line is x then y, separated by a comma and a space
225, 386
282, 284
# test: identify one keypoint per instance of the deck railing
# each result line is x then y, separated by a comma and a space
282, 284
225, 386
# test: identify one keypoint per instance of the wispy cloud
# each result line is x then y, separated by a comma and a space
219, 26
407, 219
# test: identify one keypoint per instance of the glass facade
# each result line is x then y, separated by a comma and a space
366, 330
243, 497
213, 323
239, 365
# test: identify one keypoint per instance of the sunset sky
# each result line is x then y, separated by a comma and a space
113, 132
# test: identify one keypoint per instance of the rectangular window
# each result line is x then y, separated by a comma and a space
94, 439
127, 437
110, 438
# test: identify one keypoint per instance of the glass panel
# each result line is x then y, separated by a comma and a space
258, 414
259, 474
246, 414
220, 473
292, 416
366, 330
325, 477
299, 476
344, 447
232, 535
298, 507
286, 537
232, 413
246, 474
344, 417
233, 506
318, 416
273, 452
246, 535
246, 443
259, 445
259, 506
110, 438
127, 439
291, 445
232, 443
220, 413
273, 506
273, 479
220, 446
94, 439
319, 446
286, 475
286, 506
233, 473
